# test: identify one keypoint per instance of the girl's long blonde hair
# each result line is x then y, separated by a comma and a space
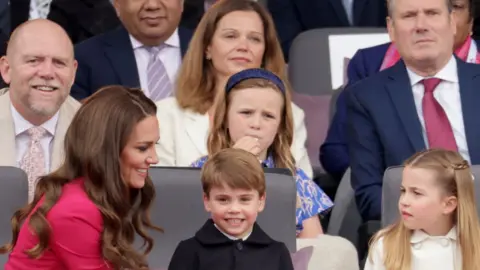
219, 137
455, 176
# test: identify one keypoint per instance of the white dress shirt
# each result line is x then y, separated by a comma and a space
447, 94
22, 139
171, 57
428, 252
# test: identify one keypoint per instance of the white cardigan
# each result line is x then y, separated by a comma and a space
183, 136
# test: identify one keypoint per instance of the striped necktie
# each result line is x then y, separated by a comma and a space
159, 85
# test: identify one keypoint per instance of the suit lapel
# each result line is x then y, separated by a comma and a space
400, 91
7, 136
185, 35
197, 127
340, 11
19, 12
119, 51
65, 117
469, 80
358, 6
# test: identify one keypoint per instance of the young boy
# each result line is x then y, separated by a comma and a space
233, 193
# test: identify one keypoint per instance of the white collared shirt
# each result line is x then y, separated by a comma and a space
230, 236
447, 94
428, 252
171, 57
22, 139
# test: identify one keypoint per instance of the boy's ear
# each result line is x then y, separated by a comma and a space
261, 202
450, 205
206, 202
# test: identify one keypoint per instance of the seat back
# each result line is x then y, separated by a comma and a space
392, 181
316, 110
309, 68
13, 196
345, 218
179, 210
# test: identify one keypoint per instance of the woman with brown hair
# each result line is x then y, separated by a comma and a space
85, 215
232, 36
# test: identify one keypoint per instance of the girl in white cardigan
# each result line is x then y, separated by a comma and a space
439, 227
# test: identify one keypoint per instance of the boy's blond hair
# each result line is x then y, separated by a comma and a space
235, 168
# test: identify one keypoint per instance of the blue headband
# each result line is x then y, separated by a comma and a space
254, 73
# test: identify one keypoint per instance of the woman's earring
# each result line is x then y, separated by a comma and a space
208, 57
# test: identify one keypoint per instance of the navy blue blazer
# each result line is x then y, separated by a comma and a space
292, 17
109, 59
384, 128
334, 152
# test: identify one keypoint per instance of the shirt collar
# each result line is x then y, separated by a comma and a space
448, 73
420, 236
22, 125
230, 236
172, 41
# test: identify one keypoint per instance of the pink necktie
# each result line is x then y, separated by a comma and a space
437, 125
33, 162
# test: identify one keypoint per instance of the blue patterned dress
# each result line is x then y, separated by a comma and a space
313, 200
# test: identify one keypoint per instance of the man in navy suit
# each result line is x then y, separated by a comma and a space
429, 99
366, 62
81, 19
149, 34
292, 17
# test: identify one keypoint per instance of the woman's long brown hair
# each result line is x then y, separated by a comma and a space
93, 146
196, 89
455, 177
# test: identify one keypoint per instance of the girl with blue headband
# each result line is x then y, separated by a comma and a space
251, 115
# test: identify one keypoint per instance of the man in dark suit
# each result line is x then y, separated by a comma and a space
193, 11
81, 19
429, 99
366, 62
149, 36
292, 17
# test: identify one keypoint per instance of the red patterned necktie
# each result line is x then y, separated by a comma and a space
437, 125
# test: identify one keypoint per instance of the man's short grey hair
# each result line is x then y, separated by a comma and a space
391, 5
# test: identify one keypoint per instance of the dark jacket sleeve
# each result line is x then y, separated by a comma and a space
285, 258
366, 159
334, 155
184, 257
287, 22
334, 151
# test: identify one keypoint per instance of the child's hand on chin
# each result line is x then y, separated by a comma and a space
249, 144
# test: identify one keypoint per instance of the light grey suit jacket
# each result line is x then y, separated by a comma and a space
7, 134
